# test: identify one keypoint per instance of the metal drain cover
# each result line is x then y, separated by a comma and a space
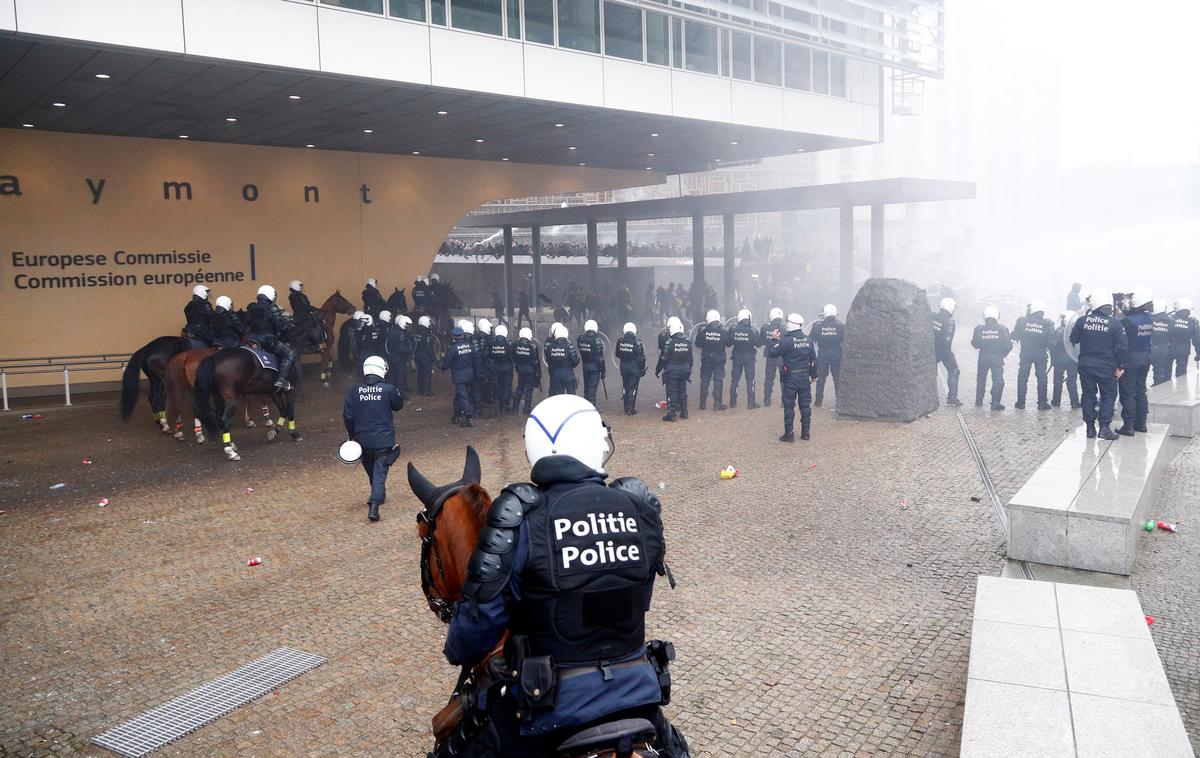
209, 702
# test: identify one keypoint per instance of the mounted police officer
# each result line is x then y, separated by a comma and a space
712, 339
1035, 332
1138, 324
566, 567
631, 353
774, 324
799, 369
424, 354
1103, 349
675, 365
459, 360
198, 315
367, 414
1160, 350
746, 341
561, 359
1183, 335
591, 355
421, 297
373, 300
994, 343
1062, 365
943, 348
827, 335
528, 362
500, 351
228, 329
399, 347
301, 307
266, 325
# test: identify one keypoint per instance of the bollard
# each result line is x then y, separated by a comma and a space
67, 383
4, 386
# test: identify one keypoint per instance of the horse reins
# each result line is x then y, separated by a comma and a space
428, 517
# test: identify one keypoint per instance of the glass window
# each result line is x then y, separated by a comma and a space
437, 12
658, 34
676, 43
579, 25
797, 67
622, 31
837, 76
539, 21
413, 10
701, 47
766, 60
372, 6
821, 72
741, 56
514, 18
476, 15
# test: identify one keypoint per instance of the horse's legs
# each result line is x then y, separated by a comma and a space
290, 412
158, 401
227, 414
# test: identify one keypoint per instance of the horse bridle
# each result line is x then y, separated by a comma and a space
428, 516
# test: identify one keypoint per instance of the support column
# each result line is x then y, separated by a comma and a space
728, 222
623, 251
508, 273
593, 255
877, 239
698, 268
847, 254
536, 247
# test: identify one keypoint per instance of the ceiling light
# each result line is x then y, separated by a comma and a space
441, 113
648, 168
572, 147
368, 131
716, 160
183, 136
231, 119
416, 152
59, 105
504, 159
310, 145
293, 97
649, 155
733, 142
653, 134
103, 76
479, 141
799, 150
27, 126
559, 125
582, 164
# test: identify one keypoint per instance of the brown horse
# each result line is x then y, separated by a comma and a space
332, 306
150, 359
449, 525
179, 378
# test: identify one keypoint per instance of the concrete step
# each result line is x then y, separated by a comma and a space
1176, 403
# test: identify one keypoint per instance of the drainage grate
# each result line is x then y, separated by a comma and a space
209, 702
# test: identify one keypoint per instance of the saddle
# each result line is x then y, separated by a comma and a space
616, 738
267, 360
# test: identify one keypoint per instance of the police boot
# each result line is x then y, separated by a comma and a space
732, 397
372, 511
1140, 428
683, 411
703, 398
285, 369
1091, 431
997, 406
670, 416
804, 432
717, 390
787, 436
1019, 405
1106, 434
467, 422
1125, 431
1043, 406
954, 402
750, 399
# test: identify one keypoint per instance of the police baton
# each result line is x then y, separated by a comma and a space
604, 384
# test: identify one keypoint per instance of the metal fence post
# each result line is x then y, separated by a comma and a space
4, 386
67, 383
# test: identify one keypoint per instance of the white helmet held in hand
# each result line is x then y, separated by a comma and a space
385, 317
404, 322
1099, 298
558, 331
425, 321
591, 326
200, 291
795, 321
224, 302
744, 314
829, 310
1140, 296
713, 316
948, 305
675, 327
375, 366
350, 452
485, 326
501, 330
568, 425
296, 285
991, 312
267, 291
1183, 304
629, 328
776, 313
1037, 306
525, 333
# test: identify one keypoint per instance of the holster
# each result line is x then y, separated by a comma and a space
661, 654
537, 678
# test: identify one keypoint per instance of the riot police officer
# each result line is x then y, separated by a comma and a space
424, 354
664, 338
483, 390
1183, 336
632, 355
267, 326
828, 334
420, 296
712, 339
367, 414
675, 365
228, 329
373, 300
528, 363
539, 561
561, 359
746, 341
1035, 332
1102, 355
198, 315
798, 371
399, 346
1063, 365
772, 364
591, 355
1138, 324
459, 360
301, 307
500, 350
1160, 350
371, 338
994, 343
943, 348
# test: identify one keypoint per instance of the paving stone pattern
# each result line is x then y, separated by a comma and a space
824, 605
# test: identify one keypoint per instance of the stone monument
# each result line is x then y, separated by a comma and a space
888, 369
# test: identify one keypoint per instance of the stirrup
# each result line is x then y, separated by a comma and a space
283, 385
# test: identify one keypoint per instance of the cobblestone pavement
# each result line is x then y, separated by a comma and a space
824, 605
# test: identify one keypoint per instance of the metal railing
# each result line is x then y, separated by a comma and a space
54, 364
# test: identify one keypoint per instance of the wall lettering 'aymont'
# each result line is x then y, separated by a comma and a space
172, 190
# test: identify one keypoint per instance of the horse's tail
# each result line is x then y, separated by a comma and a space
131, 381
205, 393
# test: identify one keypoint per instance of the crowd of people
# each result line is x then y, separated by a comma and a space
495, 249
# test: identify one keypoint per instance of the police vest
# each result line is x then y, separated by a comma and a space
712, 342
1143, 332
679, 353
525, 355
1033, 336
1162, 328
743, 339
829, 336
590, 351
258, 318
587, 584
500, 351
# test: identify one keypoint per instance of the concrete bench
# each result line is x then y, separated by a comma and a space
1176, 403
1065, 670
1085, 506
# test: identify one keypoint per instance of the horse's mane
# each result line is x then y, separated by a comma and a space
477, 499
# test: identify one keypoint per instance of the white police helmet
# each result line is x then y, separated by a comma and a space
350, 452
712, 316
525, 333
296, 285
434, 278
385, 317
1100, 297
554, 326
404, 322
466, 326
559, 331
485, 326
629, 328
268, 291
591, 326
200, 291
674, 327
991, 312
375, 366
501, 330
948, 304
795, 321
568, 425
1140, 296
673, 321
829, 310
1183, 304
358, 315
774, 314
367, 320
1036, 306
224, 302
372, 283
744, 314
424, 321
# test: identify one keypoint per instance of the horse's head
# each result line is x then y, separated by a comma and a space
448, 525
336, 303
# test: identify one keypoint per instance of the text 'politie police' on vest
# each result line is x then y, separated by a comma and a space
580, 553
